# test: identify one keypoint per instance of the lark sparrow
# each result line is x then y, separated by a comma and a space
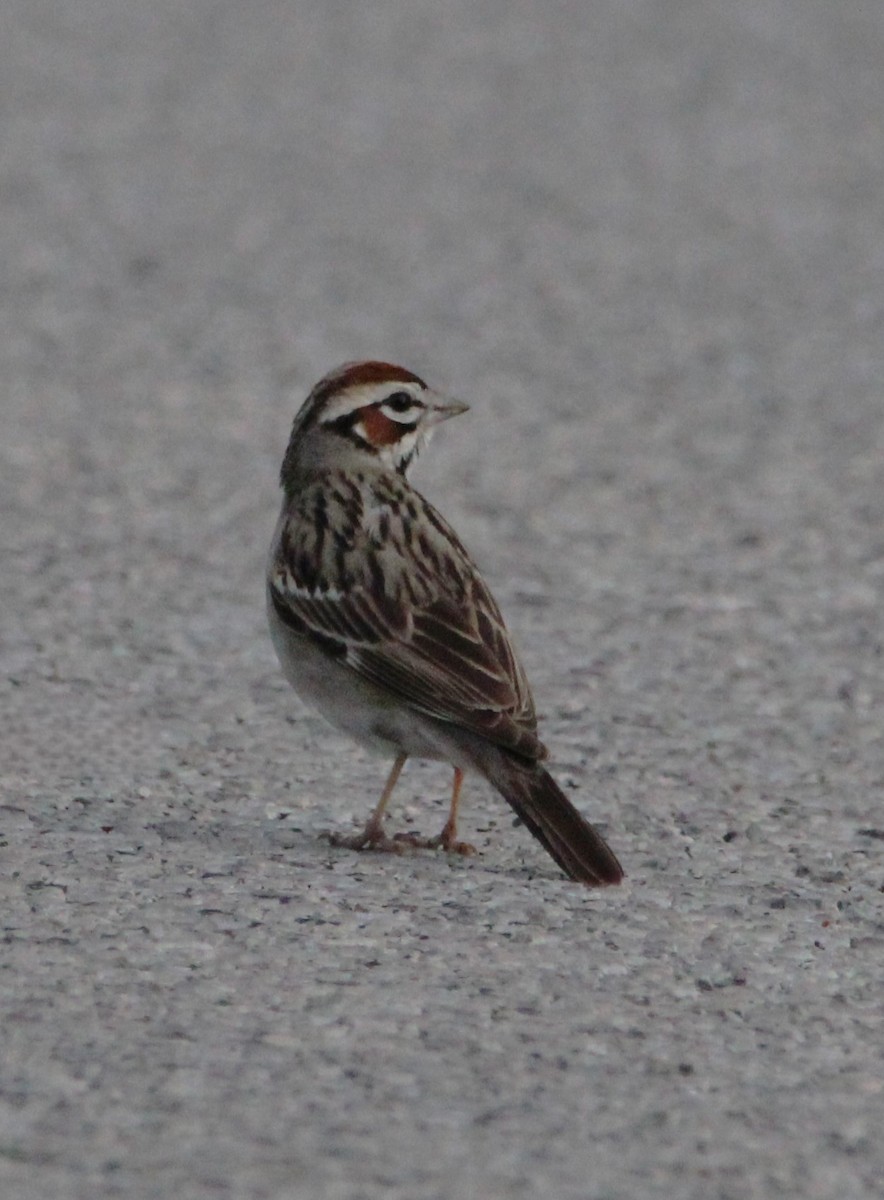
383, 623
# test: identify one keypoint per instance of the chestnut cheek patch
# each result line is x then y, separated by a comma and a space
379, 429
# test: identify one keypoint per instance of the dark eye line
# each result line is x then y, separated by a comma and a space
346, 426
346, 422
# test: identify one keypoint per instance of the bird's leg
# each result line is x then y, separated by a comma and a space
447, 839
372, 835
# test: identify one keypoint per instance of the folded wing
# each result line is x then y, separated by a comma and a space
408, 611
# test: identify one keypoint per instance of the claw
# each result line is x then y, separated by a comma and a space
373, 837
444, 841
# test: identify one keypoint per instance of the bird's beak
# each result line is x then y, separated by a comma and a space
444, 407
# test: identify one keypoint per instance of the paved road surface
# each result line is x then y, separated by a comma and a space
646, 241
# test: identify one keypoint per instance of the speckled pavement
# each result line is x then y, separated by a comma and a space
646, 242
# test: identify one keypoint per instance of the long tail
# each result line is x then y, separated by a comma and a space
581, 851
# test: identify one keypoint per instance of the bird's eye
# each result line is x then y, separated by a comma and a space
399, 402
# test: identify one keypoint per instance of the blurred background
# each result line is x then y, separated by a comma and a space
645, 241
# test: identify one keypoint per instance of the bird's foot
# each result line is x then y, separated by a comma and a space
373, 837
370, 837
446, 840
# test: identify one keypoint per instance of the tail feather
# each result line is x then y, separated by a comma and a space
578, 848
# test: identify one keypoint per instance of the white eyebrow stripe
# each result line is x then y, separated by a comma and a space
365, 394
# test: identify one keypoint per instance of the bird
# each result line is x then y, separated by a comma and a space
383, 623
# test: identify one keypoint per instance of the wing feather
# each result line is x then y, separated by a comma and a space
435, 638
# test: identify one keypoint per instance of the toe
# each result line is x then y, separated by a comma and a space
464, 848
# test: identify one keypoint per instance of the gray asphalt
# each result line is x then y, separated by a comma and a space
646, 242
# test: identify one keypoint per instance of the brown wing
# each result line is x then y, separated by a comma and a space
384, 584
